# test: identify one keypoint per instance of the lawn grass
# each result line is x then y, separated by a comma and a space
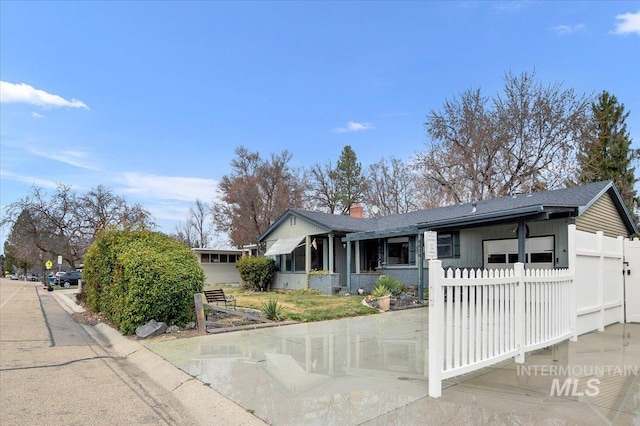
300, 305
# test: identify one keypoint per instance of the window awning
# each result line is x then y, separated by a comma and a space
284, 246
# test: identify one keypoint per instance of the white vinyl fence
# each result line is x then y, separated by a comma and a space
598, 269
479, 317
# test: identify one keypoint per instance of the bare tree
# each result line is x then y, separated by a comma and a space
198, 227
322, 192
392, 187
255, 194
525, 139
185, 233
100, 208
65, 223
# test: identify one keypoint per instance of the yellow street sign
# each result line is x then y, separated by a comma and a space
48, 264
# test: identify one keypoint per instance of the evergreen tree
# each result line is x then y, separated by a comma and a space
351, 185
609, 156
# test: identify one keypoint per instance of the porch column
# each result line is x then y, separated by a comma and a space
420, 260
349, 266
522, 235
331, 250
357, 243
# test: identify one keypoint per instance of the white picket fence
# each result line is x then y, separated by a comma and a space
478, 317
481, 317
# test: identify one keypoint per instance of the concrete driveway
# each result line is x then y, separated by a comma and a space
372, 370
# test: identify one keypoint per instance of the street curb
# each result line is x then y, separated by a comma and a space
204, 403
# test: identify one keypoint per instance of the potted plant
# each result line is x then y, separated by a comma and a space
382, 295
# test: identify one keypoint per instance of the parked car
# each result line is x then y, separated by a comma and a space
68, 279
33, 277
13, 276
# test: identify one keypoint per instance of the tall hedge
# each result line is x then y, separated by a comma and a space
136, 276
256, 272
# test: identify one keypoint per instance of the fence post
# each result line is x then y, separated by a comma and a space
520, 317
621, 249
436, 326
200, 319
600, 278
571, 263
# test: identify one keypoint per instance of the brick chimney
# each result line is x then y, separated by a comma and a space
356, 210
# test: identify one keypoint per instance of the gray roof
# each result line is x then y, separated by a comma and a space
568, 201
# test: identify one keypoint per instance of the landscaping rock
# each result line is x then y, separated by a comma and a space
172, 329
150, 329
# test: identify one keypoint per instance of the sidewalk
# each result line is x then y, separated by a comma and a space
58, 372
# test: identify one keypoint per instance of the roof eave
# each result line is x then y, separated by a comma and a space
484, 218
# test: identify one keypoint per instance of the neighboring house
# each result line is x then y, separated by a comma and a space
496, 233
219, 265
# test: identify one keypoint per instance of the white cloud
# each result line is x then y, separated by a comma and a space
169, 187
568, 29
36, 115
32, 180
23, 93
511, 6
630, 23
353, 126
76, 158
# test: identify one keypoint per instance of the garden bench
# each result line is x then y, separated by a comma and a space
217, 295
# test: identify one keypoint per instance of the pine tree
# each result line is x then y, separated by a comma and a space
610, 156
351, 185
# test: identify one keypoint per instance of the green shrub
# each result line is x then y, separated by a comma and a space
272, 310
136, 276
392, 284
380, 290
256, 272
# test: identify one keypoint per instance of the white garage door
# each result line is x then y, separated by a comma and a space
502, 254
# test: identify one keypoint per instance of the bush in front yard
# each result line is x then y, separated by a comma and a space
136, 276
256, 272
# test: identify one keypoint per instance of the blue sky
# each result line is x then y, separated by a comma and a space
150, 99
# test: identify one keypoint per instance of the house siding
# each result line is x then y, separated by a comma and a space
301, 228
602, 216
217, 273
471, 242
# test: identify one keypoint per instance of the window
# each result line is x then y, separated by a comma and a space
449, 245
398, 251
299, 259
204, 258
292, 221
214, 258
497, 258
544, 257
513, 257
